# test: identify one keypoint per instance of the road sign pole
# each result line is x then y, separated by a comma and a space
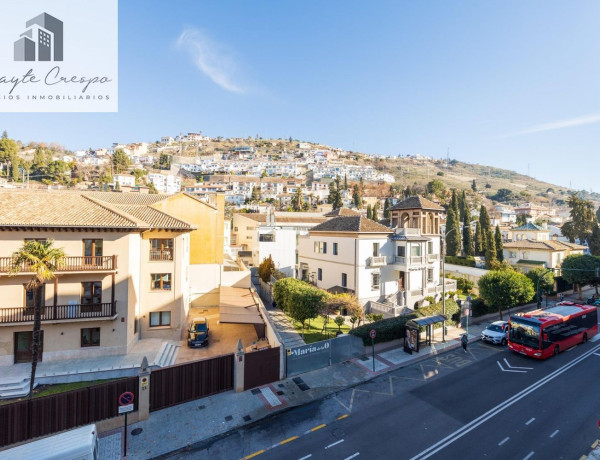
125, 441
373, 333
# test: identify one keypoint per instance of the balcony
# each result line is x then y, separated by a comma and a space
376, 261
59, 313
69, 264
412, 260
161, 255
432, 257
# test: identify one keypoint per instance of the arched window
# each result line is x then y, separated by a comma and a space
404, 219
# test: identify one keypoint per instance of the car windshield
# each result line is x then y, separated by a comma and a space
524, 332
199, 327
494, 328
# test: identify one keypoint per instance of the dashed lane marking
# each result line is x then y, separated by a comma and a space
503, 441
596, 442
334, 444
285, 441
342, 416
258, 452
554, 434
318, 427
530, 420
529, 455
352, 456
305, 457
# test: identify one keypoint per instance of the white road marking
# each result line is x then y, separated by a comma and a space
334, 444
554, 434
595, 338
452, 437
352, 456
508, 370
597, 354
529, 455
503, 441
517, 367
530, 420
305, 457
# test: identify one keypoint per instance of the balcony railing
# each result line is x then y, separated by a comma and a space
157, 254
68, 264
416, 260
432, 257
376, 261
59, 312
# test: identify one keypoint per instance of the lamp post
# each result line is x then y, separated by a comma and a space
537, 288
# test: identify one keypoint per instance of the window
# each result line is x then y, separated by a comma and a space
90, 337
29, 296
430, 247
429, 275
344, 280
320, 247
160, 318
92, 248
375, 277
401, 251
249, 228
513, 254
320, 274
91, 296
415, 250
161, 249
160, 282
335, 249
235, 229
375, 249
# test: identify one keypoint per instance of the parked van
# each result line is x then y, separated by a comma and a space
78, 444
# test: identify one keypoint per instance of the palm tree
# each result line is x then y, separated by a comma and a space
42, 259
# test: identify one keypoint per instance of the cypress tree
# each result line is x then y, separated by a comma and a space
375, 212
499, 245
467, 238
386, 209
369, 212
452, 234
478, 241
464, 206
484, 221
454, 202
490, 250
594, 242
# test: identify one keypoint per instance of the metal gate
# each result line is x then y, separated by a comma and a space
28, 419
184, 382
261, 367
322, 354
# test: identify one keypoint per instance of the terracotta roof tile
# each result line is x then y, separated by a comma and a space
341, 212
351, 224
546, 245
417, 202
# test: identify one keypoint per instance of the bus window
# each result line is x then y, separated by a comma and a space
524, 333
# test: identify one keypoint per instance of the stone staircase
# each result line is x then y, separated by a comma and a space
167, 354
15, 389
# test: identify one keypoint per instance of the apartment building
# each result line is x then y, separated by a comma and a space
165, 183
124, 276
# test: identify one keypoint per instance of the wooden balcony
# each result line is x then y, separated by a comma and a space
69, 264
59, 313
161, 255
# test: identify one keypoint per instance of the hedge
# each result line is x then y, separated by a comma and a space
393, 328
457, 260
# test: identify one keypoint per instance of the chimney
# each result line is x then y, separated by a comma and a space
555, 236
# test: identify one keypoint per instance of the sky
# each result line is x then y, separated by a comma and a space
504, 83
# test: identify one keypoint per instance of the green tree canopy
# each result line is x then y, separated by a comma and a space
580, 269
467, 237
545, 278
356, 197
478, 240
582, 220
435, 187
386, 209
499, 244
452, 234
266, 268
504, 289
120, 161
490, 250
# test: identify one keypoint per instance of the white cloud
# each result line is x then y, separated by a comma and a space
215, 60
578, 121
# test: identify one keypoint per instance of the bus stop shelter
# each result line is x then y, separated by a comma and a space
412, 331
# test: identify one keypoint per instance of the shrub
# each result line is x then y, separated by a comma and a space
430, 299
282, 290
479, 307
458, 260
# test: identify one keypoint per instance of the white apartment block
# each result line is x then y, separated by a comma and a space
165, 183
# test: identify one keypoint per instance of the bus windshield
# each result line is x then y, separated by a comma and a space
524, 332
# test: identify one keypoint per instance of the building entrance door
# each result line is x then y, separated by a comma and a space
23, 346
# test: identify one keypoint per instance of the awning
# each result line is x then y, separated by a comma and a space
426, 320
237, 305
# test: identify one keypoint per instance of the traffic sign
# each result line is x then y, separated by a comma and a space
126, 398
125, 409
373, 333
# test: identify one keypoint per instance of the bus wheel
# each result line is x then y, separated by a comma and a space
503, 343
584, 337
556, 350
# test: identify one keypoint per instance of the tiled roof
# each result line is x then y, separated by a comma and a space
341, 212
254, 216
128, 198
68, 209
546, 245
351, 224
529, 226
417, 202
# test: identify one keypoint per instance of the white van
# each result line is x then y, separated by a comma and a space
78, 444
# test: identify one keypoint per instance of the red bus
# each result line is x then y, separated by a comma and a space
543, 333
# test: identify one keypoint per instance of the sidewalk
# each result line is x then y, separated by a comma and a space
198, 421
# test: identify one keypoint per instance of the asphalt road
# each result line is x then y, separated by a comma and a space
487, 403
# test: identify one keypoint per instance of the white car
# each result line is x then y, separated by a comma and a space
496, 333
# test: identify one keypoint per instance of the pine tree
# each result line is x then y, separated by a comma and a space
499, 245
474, 185
478, 240
467, 238
369, 212
335, 197
490, 250
386, 209
452, 234
4, 135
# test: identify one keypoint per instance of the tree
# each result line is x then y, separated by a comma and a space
345, 181
335, 197
305, 303
522, 219
339, 321
266, 268
594, 240
8, 148
297, 200
386, 209
505, 288
42, 259
375, 212
356, 197
465, 211
120, 161
435, 187
467, 237
369, 212
484, 220
499, 244
478, 240
152, 189
255, 195
580, 269
138, 174
454, 203
490, 250
474, 185
4, 135
452, 234
544, 277
582, 219
504, 195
